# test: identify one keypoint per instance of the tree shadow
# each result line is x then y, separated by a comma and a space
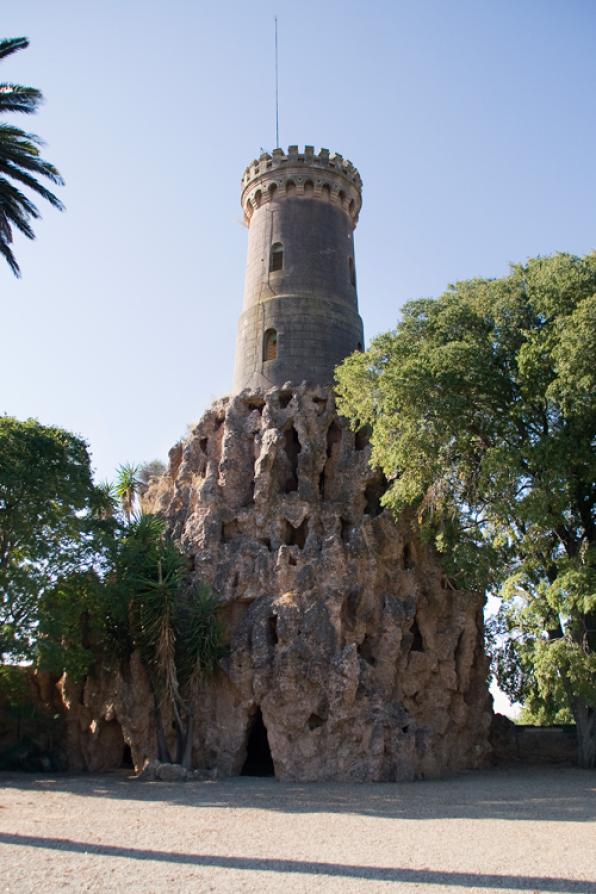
548, 794
302, 867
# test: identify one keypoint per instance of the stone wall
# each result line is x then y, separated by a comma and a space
521, 743
346, 641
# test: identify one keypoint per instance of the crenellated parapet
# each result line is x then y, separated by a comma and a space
325, 176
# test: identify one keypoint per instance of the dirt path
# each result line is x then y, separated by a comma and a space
529, 830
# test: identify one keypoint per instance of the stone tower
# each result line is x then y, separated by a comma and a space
300, 316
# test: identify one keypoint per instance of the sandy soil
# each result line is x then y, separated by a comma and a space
516, 830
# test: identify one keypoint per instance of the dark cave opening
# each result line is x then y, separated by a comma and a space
293, 448
127, 763
375, 488
295, 536
362, 437
258, 754
417, 641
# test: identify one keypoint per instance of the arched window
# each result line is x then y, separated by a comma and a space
276, 258
272, 191
352, 271
270, 345
309, 188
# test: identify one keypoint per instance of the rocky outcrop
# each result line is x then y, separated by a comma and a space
110, 720
346, 642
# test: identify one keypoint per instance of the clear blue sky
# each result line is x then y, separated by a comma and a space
472, 124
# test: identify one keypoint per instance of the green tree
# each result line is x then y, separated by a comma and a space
20, 162
482, 405
127, 488
50, 525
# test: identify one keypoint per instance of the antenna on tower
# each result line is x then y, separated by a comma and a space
276, 90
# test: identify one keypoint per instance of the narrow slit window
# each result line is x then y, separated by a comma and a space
352, 271
270, 345
276, 259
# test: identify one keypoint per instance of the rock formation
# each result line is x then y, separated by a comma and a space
346, 642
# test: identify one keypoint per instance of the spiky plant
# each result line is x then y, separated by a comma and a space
173, 624
128, 486
20, 161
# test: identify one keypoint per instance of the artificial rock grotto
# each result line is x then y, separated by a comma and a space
350, 655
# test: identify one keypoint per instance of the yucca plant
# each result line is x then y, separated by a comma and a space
173, 624
20, 162
127, 488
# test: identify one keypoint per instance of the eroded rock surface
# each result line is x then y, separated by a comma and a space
345, 639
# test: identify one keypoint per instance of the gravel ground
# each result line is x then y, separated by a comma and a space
507, 830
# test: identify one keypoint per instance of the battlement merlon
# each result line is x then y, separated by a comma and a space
323, 175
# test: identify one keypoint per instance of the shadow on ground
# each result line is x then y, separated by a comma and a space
549, 794
366, 873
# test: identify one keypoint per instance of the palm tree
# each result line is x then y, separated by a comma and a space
20, 161
128, 487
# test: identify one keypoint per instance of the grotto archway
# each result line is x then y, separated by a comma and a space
259, 761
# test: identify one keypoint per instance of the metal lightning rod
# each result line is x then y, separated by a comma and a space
276, 90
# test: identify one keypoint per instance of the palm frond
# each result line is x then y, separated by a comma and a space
13, 171
9, 257
127, 488
18, 98
9, 45
20, 161
15, 210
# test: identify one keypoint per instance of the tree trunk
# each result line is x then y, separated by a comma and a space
180, 741
163, 752
187, 756
585, 719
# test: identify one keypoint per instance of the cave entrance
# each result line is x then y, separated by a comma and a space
127, 761
258, 754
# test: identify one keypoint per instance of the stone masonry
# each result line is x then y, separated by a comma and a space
301, 209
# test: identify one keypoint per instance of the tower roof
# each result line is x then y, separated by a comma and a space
324, 172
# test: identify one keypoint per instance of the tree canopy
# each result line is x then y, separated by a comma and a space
482, 405
20, 161
50, 524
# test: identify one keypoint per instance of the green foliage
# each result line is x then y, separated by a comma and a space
51, 524
173, 623
127, 489
81, 586
14, 692
29, 729
482, 405
20, 161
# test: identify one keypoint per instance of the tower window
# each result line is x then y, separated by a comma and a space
270, 345
352, 271
276, 259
